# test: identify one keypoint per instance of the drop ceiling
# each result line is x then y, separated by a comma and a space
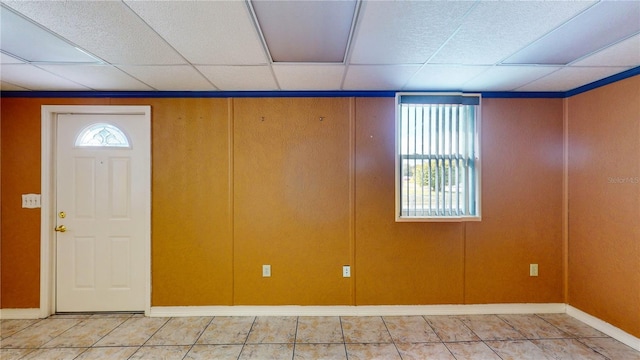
305, 45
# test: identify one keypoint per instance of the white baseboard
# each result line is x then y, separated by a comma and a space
7, 314
604, 327
378, 310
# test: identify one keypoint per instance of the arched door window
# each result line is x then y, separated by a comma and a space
102, 135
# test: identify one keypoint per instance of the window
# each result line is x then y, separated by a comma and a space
437, 157
102, 135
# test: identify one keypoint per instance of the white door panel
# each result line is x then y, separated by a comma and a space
104, 193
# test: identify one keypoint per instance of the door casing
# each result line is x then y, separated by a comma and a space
47, 214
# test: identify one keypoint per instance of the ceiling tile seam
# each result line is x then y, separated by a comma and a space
546, 34
478, 74
540, 78
62, 77
352, 34
187, 61
584, 57
204, 77
7, 7
263, 41
134, 77
16, 85
461, 22
14, 56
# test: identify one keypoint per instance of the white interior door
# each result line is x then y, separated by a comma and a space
103, 212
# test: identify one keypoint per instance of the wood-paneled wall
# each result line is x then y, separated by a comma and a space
604, 203
238, 183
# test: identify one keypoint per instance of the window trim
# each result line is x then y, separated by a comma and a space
477, 161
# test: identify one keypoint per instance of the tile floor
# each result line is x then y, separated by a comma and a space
128, 336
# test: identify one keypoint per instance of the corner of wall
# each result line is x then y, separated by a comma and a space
565, 200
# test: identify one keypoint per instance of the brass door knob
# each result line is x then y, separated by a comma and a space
61, 228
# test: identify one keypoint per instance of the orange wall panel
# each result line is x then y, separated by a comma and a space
291, 200
397, 263
191, 250
604, 203
20, 227
521, 223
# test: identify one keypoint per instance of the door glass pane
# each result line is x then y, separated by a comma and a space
102, 135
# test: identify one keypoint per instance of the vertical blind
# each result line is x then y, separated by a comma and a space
438, 155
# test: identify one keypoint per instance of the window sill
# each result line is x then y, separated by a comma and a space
438, 218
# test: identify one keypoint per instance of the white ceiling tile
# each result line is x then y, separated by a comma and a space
97, 77
33, 78
496, 29
624, 53
442, 77
5, 86
232, 78
169, 77
309, 77
404, 32
570, 78
6, 59
107, 29
378, 77
205, 32
507, 78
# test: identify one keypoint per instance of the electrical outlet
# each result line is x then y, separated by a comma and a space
346, 271
266, 270
533, 269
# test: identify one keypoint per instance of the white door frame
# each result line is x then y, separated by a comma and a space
48, 200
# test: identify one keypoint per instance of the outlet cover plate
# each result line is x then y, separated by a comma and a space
346, 271
533, 269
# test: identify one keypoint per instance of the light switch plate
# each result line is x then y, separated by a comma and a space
30, 201
266, 270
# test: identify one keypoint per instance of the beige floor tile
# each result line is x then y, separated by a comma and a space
39, 333
410, 329
450, 328
267, 352
472, 351
218, 352
517, 350
491, 327
319, 330
611, 348
54, 354
110, 353
372, 352
562, 349
571, 325
320, 351
133, 332
365, 329
161, 353
273, 330
227, 330
420, 351
85, 334
533, 327
14, 354
10, 327
180, 331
